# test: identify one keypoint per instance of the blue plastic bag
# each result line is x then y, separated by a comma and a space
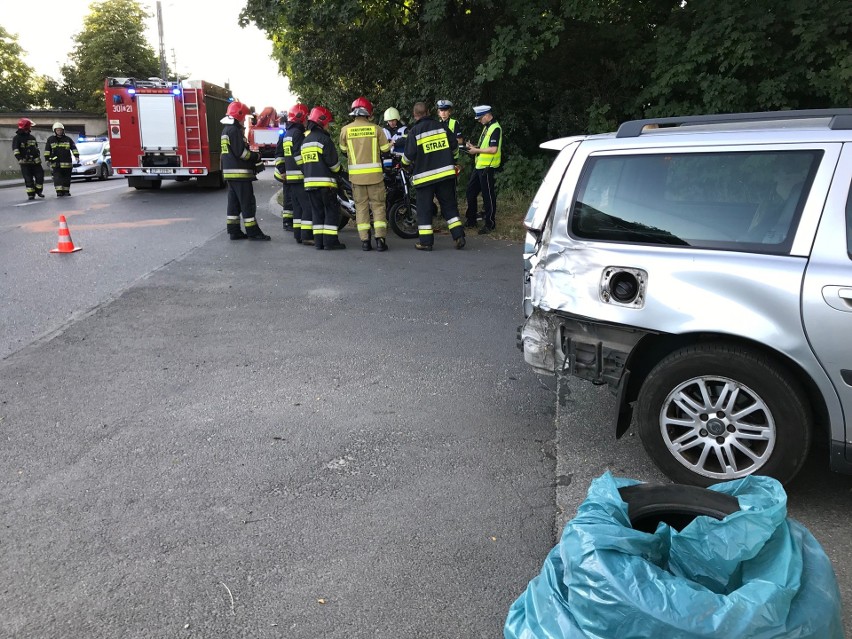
755, 574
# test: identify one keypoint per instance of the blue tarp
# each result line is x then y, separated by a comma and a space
756, 574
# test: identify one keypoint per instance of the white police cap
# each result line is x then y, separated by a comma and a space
481, 110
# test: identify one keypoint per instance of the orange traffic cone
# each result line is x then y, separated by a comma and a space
65, 244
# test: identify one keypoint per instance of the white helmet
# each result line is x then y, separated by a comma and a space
391, 114
57, 125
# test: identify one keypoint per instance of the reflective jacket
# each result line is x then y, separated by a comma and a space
288, 158
238, 161
432, 150
61, 152
363, 143
454, 128
320, 160
492, 135
25, 148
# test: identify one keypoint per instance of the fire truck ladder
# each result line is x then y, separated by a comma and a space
192, 126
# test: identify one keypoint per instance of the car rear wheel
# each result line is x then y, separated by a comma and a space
715, 412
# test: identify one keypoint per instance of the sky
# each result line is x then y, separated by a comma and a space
252, 73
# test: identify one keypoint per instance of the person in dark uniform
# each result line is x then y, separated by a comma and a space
61, 153
240, 167
25, 148
288, 170
433, 152
320, 165
488, 156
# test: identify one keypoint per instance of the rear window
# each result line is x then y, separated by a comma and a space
745, 201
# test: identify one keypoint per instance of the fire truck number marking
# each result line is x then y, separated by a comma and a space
122, 108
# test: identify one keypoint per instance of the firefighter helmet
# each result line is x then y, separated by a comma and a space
238, 111
362, 106
391, 114
57, 125
25, 124
320, 115
298, 113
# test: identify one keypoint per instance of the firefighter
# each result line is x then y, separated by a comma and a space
320, 163
364, 143
488, 157
395, 129
288, 170
434, 153
281, 174
61, 154
240, 167
25, 148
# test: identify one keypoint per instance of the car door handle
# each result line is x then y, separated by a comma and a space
839, 297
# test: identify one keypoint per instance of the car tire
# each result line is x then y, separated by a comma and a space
103, 172
715, 412
675, 505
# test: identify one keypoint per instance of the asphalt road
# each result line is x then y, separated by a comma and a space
204, 438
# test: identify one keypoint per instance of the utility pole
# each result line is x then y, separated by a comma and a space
174, 65
162, 46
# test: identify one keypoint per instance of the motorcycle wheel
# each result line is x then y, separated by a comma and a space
402, 217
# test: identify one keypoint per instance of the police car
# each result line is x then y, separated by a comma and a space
95, 159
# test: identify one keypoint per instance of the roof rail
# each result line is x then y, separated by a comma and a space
840, 119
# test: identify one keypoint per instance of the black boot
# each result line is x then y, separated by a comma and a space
365, 245
258, 235
381, 245
237, 234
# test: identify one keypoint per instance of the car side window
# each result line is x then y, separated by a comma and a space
744, 201
849, 223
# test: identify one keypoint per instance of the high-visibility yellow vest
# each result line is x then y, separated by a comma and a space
492, 160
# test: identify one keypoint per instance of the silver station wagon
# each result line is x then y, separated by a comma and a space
702, 268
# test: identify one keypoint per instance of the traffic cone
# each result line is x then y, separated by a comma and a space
65, 244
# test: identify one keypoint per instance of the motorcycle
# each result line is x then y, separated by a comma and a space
399, 203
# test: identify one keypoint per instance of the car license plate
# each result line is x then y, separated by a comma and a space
158, 171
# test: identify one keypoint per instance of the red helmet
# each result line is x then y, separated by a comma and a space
362, 106
238, 111
298, 113
320, 115
25, 124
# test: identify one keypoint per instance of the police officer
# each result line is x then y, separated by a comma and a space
25, 148
487, 154
288, 170
240, 167
445, 112
433, 152
320, 164
61, 153
364, 143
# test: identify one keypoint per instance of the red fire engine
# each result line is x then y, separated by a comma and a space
162, 130
263, 134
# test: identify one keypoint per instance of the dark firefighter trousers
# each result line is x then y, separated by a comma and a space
297, 201
62, 180
241, 202
325, 214
445, 191
33, 178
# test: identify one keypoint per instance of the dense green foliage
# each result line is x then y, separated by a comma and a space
559, 67
18, 82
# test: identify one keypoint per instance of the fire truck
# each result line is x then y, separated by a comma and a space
161, 130
263, 134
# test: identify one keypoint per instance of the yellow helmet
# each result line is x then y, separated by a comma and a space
391, 114
57, 125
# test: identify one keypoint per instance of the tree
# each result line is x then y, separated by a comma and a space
17, 79
112, 43
738, 56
